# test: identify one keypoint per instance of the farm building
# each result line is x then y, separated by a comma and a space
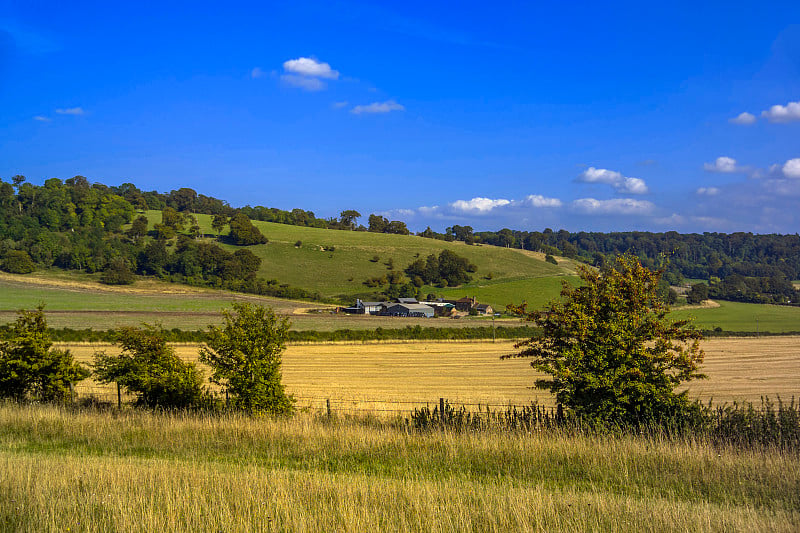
412, 310
484, 309
367, 308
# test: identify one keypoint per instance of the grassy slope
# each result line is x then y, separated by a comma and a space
343, 271
66, 471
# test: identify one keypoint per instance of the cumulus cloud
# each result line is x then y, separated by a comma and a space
378, 107
70, 111
537, 200
40, 118
478, 205
305, 73
621, 183
617, 206
791, 169
303, 82
708, 191
723, 164
309, 67
257, 72
783, 113
743, 119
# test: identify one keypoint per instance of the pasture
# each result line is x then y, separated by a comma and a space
392, 377
341, 272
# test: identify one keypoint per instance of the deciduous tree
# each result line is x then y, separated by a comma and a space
29, 366
245, 357
609, 350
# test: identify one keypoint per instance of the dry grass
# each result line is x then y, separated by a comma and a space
129, 471
374, 376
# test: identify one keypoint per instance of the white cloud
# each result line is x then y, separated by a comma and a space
537, 200
339, 105
306, 66
722, 164
617, 206
70, 111
303, 82
40, 118
428, 210
478, 205
611, 177
708, 191
779, 113
378, 107
257, 72
791, 169
743, 119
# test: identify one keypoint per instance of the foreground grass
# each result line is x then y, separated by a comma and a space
134, 471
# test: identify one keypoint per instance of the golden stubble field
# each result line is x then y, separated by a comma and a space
396, 376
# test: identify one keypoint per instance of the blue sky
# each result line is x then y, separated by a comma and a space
610, 117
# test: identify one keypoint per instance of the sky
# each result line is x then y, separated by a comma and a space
681, 116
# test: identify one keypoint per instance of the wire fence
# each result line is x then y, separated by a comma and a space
322, 404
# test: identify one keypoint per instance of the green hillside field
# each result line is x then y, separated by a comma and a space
515, 274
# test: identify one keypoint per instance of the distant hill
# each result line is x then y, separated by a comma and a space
503, 276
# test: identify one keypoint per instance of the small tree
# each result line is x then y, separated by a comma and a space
610, 351
149, 368
30, 368
697, 294
245, 358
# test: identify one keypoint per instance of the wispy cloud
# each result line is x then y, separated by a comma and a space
783, 113
41, 118
378, 107
707, 191
306, 66
70, 111
725, 165
258, 72
621, 183
743, 119
537, 200
616, 206
479, 205
339, 105
303, 82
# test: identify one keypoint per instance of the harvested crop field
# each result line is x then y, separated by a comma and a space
395, 376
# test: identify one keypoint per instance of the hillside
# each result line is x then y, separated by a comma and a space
515, 274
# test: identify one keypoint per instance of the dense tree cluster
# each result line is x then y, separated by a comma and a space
448, 270
379, 224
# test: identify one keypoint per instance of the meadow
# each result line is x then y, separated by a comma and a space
341, 272
138, 471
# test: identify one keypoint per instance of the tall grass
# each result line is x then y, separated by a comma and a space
138, 471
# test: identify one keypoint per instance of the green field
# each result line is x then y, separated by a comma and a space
342, 272
735, 316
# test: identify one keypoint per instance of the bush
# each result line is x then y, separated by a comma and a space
150, 369
18, 262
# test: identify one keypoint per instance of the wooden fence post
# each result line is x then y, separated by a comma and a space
441, 410
328, 406
119, 397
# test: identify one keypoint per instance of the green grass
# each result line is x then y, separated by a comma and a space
343, 271
134, 471
735, 316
